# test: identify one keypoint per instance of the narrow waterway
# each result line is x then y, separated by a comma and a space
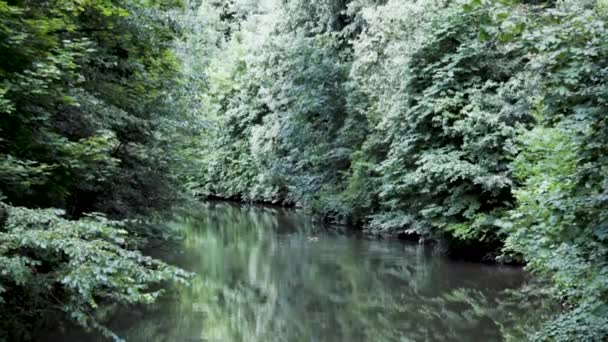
270, 274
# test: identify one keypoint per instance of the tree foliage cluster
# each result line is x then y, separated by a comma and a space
480, 123
86, 126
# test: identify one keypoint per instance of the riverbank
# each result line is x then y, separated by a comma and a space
488, 252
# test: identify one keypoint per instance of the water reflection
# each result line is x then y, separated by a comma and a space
267, 274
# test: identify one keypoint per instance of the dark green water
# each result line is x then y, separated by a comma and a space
266, 274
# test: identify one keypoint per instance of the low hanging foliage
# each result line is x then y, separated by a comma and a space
55, 266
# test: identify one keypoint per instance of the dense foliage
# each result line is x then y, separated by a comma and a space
559, 222
86, 123
82, 87
478, 123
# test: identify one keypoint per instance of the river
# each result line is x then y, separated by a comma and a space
271, 274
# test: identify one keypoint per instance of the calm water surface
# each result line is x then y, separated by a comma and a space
267, 274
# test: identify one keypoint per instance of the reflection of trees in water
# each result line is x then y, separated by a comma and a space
255, 284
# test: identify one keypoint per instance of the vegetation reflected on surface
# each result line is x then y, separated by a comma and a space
266, 274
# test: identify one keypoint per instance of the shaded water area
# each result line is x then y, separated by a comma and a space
271, 274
